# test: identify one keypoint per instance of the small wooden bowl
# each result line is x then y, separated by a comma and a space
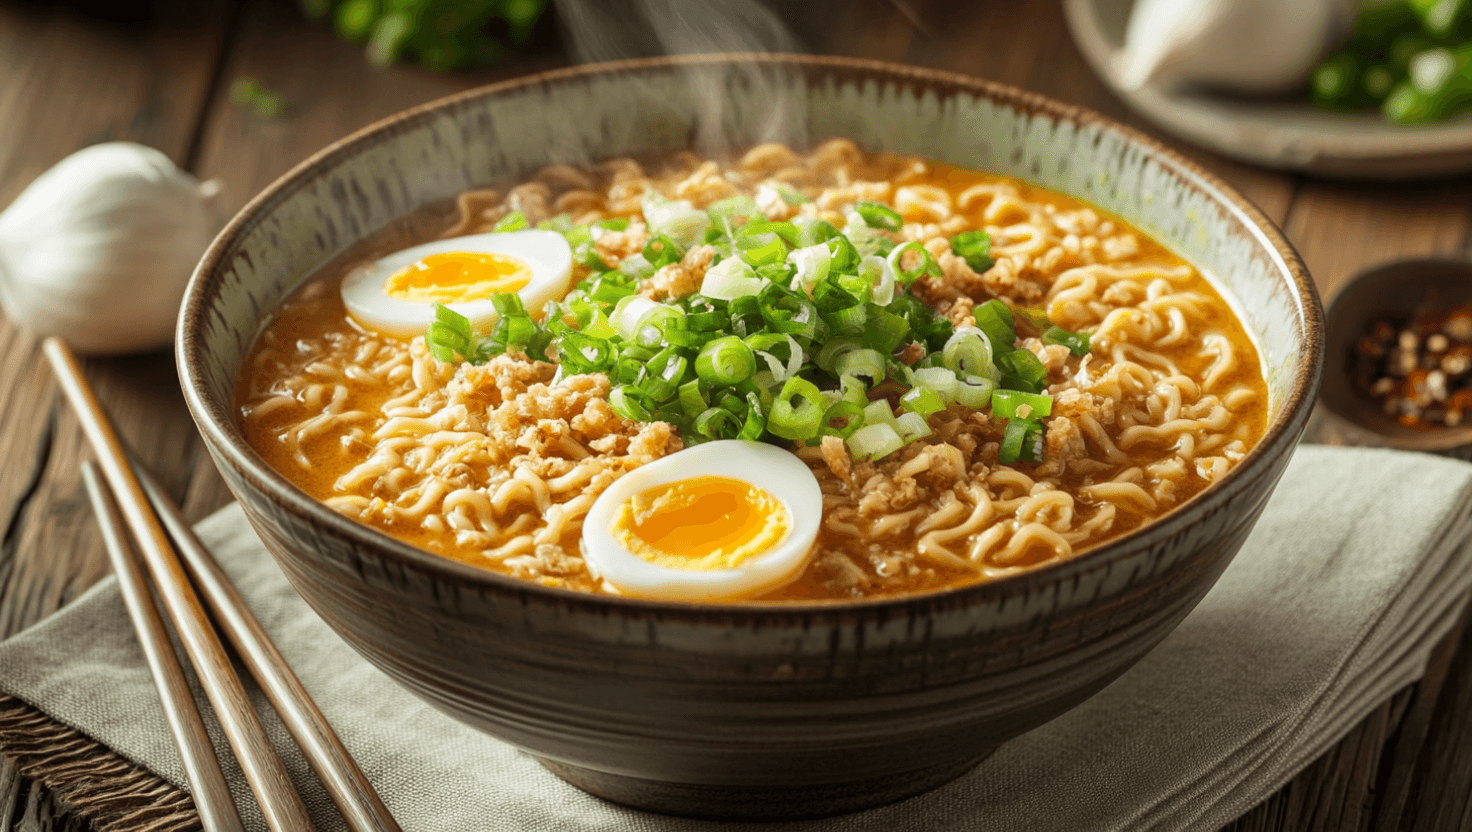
1400, 288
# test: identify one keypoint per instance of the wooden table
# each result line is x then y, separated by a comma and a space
67, 81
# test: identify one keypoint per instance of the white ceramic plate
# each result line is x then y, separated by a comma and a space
1280, 133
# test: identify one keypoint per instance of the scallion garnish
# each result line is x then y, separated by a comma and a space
995, 319
794, 328
877, 215
975, 247
1021, 370
514, 221
1076, 342
1015, 404
726, 361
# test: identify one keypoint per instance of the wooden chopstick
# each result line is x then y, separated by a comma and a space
350, 790
207, 783
278, 800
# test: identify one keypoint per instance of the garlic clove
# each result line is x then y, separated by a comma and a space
98, 248
1248, 46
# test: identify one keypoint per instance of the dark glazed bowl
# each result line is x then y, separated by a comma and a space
1399, 289
728, 710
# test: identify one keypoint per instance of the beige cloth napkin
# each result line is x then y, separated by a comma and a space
1359, 563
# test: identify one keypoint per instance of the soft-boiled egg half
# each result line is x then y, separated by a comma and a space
394, 294
716, 522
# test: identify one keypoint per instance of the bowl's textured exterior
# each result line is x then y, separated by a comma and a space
725, 710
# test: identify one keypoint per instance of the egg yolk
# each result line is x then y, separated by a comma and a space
701, 523
457, 277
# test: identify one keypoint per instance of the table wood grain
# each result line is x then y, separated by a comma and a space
68, 80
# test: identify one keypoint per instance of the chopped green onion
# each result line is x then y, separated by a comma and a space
662, 250
797, 412
736, 207
454, 320
629, 312
608, 290
850, 320
812, 266
631, 403
974, 391
760, 247
877, 272
995, 319
861, 362
1015, 404
1077, 342
878, 412
968, 350
791, 196
848, 416
1021, 370
922, 400
911, 426
636, 266
1013, 440
939, 379
845, 258
725, 361
729, 279
693, 399
1035, 317
678, 220
873, 441
507, 303
926, 268
717, 423
756, 419
811, 231
884, 330
664, 373
827, 357
514, 221
878, 215
763, 343
975, 247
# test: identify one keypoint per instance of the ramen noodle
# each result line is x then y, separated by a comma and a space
497, 464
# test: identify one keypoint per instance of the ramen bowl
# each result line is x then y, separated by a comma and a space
730, 710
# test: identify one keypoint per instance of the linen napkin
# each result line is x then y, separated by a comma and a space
1359, 564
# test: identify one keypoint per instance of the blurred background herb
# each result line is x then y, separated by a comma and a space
441, 35
1411, 59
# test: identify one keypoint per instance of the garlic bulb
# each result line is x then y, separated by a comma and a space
1250, 46
98, 248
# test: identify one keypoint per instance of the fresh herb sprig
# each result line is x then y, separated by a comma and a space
442, 35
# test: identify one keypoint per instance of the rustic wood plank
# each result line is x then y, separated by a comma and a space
74, 82
330, 91
1417, 708
66, 82
1441, 789
1343, 228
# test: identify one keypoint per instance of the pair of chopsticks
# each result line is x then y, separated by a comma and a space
127, 500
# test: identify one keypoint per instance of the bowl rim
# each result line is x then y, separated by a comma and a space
217, 426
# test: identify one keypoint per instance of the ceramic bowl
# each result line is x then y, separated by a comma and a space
1398, 289
729, 710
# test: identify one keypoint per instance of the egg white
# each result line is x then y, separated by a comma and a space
767, 467
546, 253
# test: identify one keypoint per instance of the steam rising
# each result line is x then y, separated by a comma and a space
610, 30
